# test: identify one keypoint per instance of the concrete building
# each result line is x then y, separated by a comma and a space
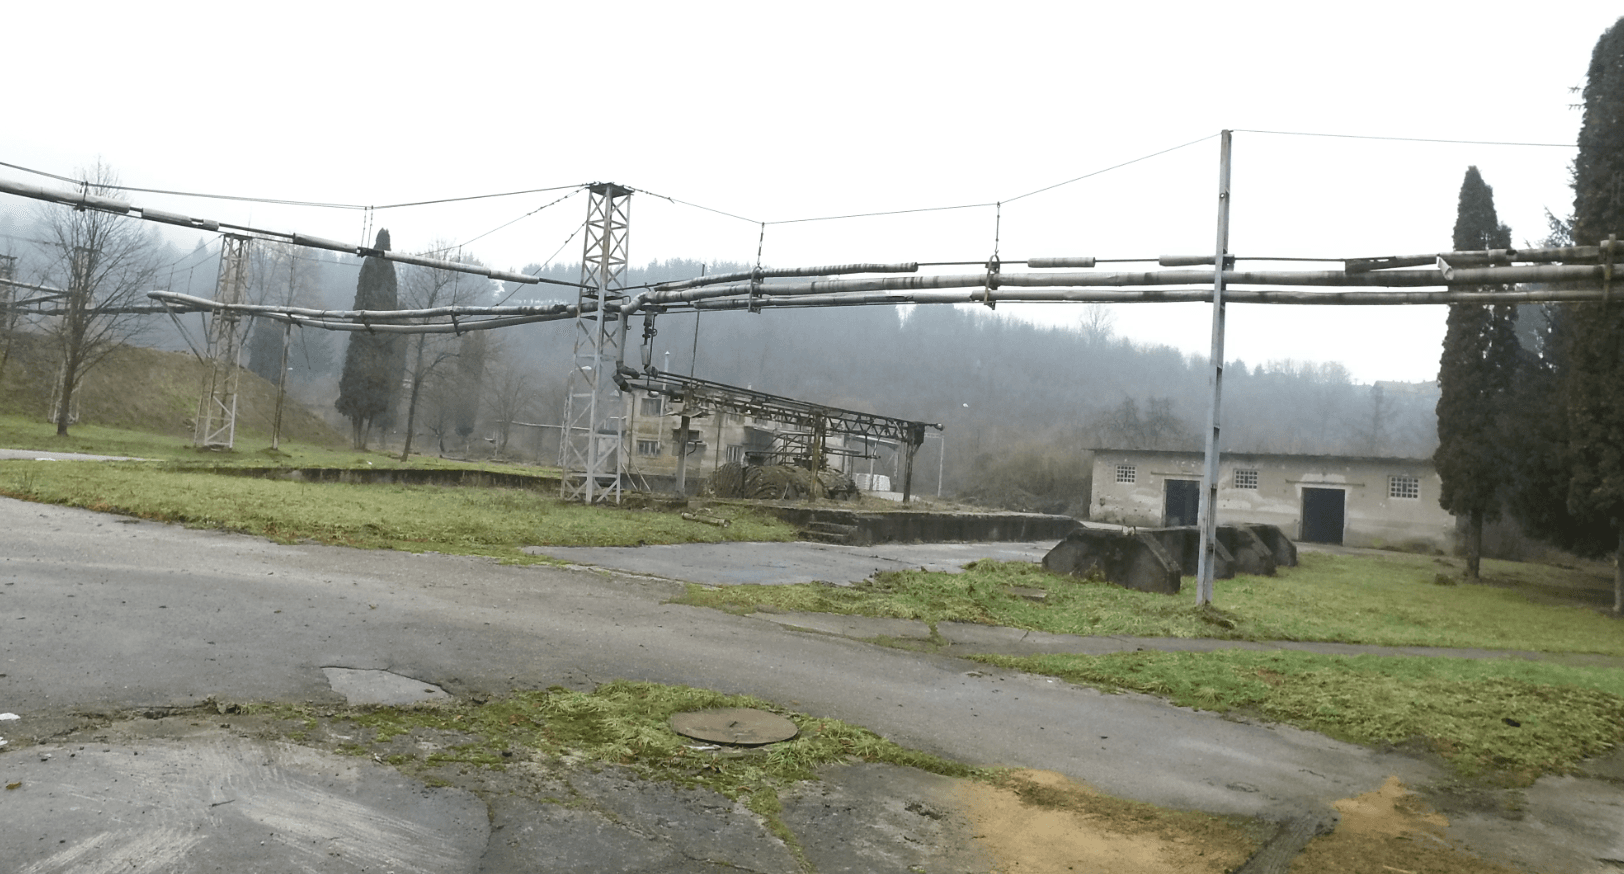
1313, 498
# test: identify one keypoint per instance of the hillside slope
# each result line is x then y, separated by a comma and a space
147, 390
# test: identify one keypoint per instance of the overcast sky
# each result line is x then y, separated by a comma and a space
775, 113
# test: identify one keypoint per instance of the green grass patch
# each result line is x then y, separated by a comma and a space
1514, 718
19, 432
1383, 600
493, 522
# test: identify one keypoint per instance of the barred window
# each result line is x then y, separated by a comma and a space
735, 453
653, 406
648, 447
1403, 486
1245, 479
1125, 473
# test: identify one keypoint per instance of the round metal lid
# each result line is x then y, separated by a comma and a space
740, 726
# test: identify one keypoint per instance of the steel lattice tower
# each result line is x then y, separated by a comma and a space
217, 410
590, 452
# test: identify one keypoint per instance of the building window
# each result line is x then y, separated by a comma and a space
1245, 479
648, 447
653, 406
735, 453
1125, 473
1403, 486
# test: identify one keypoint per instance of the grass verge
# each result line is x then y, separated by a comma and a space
1383, 600
493, 522
1512, 720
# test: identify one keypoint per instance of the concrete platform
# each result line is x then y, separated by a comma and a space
787, 563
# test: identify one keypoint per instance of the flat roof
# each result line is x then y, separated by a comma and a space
1273, 456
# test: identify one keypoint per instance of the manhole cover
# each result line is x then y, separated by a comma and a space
740, 726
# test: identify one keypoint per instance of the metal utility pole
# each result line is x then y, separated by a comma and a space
1208, 515
281, 386
590, 455
217, 410
8, 273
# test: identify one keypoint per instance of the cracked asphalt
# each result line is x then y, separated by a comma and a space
112, 616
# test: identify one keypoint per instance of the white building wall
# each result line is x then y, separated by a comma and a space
1373, 514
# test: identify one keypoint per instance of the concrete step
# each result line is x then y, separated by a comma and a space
828, 532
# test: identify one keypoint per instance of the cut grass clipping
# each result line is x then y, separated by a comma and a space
1514, 718
1383, 600
626, 723
413, 518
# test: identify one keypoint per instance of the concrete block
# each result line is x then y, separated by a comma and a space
1132, 560
1251, 555
1184, 542
1285, 552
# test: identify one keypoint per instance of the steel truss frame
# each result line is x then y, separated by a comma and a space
818, 420
216, 426
591, 455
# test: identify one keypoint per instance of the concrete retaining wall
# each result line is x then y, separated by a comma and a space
398, 476
904, 526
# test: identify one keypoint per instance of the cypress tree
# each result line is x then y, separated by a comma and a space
1595, 383
1474, 383
373, 363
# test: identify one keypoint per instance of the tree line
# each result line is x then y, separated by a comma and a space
1531, 411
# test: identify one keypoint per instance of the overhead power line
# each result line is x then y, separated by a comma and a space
276, 201
1293, 133
85, 200
912, 210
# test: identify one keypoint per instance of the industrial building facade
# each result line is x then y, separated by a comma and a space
1381, 502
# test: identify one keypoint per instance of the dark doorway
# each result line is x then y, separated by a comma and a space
1323, 515
1183, 503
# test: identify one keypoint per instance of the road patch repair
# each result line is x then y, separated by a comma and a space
381, 687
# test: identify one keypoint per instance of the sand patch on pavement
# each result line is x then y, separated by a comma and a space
1386, 831
1037, 822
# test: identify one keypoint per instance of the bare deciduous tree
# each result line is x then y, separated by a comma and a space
511, 395
105, 263
428, 287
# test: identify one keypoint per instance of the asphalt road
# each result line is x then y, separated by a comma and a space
102, 613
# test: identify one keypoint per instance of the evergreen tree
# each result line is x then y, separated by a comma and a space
373, 362
1474, 382
1595, 381
265, 349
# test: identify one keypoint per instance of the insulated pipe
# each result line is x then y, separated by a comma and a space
444, 328
93, 201
1169, 295
121, 207
832, 270
1006, 281
191, 302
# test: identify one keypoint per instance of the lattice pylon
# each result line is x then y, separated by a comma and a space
217, 410
590, 453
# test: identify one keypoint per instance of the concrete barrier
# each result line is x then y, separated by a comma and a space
1132, 560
